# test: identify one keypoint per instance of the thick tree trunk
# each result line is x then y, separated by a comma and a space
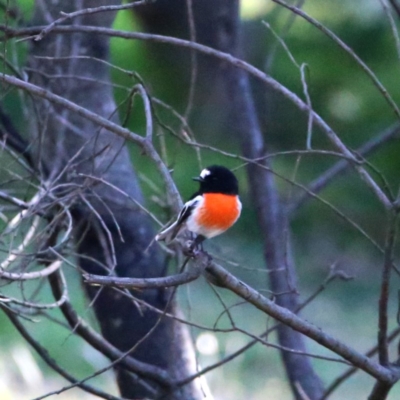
244, 123
111, 231
217, 25
302, 377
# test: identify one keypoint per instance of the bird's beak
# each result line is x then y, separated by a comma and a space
198, 179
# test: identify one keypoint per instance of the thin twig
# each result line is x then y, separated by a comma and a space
24, 276
43, 353
61, 300
395, 6
384, 296
351, 371
147, 110
14, 253
149, 150
347, 49
135, 283
145, 145
193, 60
303, 70
292, 320
393, 26
341, 166
99, 343
86, 11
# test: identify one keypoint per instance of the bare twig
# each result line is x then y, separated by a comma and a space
25, 242
109, 243
43, 353
331, 135
351, 371
392, 25
24, 276
333, 274
147, 110
303, 70
341, 166
395, 6
14, 200
62, 298
193, 60
347, 49
384, 296
380, 391
145, 145
287, 317
98, 342
87, 11
136, 283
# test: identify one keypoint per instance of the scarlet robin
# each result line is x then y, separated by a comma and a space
213, 209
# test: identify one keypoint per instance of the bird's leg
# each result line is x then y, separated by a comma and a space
196, 245
198, 242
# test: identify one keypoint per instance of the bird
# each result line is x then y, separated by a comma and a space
213, 209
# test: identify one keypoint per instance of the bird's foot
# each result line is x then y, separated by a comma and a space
191, 249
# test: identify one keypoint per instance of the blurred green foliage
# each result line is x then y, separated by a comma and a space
350, 103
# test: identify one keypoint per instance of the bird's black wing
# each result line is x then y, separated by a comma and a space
187, 209
169, 233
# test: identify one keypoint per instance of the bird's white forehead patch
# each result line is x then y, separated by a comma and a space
204, 173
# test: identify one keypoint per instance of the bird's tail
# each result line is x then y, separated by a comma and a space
169, 234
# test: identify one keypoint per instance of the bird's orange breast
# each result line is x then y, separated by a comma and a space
219, 211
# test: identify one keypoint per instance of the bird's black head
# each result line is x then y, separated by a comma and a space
217, 179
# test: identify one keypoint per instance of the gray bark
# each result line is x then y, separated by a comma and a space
217, 25
108, 226
244, 123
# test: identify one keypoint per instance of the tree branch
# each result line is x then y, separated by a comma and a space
395, 6
99, 343
135, 283
384, 296
285, 316
320, 183
347, 49
144, 144
244, 123
43, 353
351, 371
380, 391
88, 11
300, 104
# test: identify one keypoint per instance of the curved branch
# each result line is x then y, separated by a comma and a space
384, 295
341, 166
275, 85
87, 11
144, 283
144, 143
347, 49
350, 371
285, 316
380, 391
43, 353
24, 276
395, 6
78, 325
